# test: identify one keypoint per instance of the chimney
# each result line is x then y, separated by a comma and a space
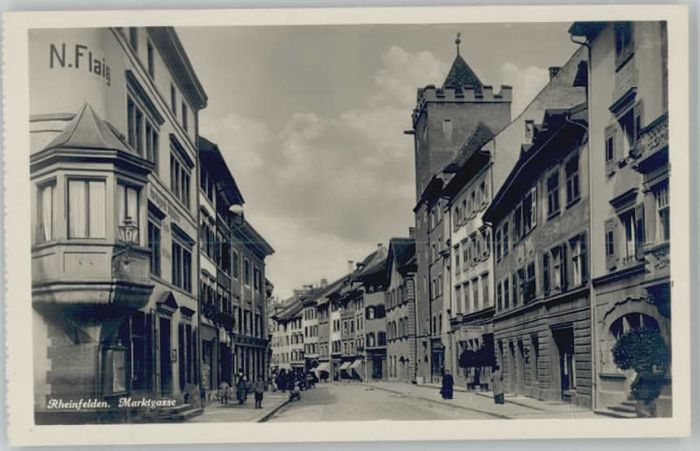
380, 245
324, 282
412, 232
553, 71
351, 266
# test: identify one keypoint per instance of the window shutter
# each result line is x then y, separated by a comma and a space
639, 231
610, 165
533, 211
610, 230
583, 258
565, 267
545, 273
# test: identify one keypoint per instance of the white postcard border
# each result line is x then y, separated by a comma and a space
22, 430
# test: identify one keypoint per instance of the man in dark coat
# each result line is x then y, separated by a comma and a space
447, 385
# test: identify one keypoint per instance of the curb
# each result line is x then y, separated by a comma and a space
517, 403
268, 415
471, 409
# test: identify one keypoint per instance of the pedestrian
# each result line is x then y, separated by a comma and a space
241, 388
223, 392
447, 385
259, 389
282, 380
497, 385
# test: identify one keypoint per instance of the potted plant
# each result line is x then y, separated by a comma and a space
646, 352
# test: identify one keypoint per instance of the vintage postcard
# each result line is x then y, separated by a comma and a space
403, 223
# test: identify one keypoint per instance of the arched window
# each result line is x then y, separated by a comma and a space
632, 321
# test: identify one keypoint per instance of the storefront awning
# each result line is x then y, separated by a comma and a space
356, 364
322, 367
345, 366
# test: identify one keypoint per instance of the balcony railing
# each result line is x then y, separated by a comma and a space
653, 139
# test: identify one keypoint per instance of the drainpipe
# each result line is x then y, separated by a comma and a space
591, 291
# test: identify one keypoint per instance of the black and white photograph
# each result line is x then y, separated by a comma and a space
353, 222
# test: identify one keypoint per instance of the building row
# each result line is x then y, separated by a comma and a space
146, 278
358, 327
542, 239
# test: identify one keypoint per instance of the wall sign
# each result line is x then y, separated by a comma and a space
78, 57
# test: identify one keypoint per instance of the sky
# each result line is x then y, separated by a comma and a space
310, 120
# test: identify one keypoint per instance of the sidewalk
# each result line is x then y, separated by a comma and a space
514, 408
234, 412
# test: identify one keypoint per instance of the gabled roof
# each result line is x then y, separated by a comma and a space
402, 252
556, 122
372, 265
87, 131
461, 75
211, 156
482, 134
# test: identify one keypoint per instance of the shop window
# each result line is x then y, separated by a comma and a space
44, 213
86, 209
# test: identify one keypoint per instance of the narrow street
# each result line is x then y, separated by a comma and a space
356, 402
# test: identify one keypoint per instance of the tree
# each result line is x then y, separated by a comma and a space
644, 351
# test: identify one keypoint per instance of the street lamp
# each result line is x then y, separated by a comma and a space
128, 231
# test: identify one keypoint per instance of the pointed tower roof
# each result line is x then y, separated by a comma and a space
461, 75
88, 131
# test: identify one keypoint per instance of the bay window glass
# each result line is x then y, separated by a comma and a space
45, 201
86, 209
128, 207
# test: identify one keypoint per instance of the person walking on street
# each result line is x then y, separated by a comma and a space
282, 380
497, 385
259, 389
447, 385
223, 392
241, 388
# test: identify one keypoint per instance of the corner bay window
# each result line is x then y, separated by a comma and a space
44, 212
86, 209
128, 207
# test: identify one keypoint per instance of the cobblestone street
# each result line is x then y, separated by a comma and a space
397, 401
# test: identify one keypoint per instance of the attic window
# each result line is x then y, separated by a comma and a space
529, 131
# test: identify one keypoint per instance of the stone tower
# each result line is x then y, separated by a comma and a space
447, 116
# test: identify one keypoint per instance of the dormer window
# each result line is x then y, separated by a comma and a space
529, 131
